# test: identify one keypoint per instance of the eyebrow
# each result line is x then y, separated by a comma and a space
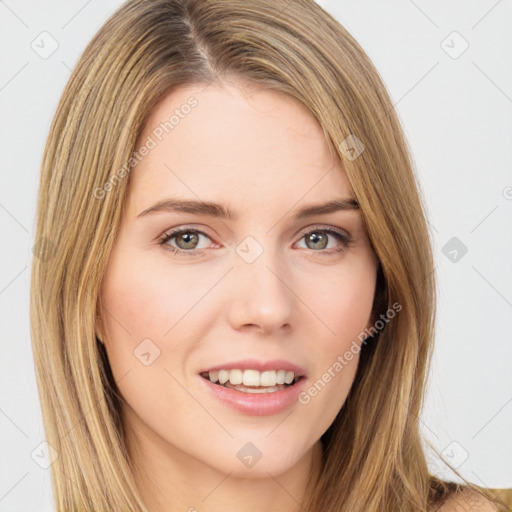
218, 210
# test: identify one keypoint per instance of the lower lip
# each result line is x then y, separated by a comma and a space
256, 404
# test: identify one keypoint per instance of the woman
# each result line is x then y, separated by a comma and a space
239, 307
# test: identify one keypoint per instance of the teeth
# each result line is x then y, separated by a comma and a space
268, 378
223, 376
251, 378
236, 376
288, 379
280, 376
254, 378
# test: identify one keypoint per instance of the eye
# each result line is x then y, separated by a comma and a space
317, 239
187, 240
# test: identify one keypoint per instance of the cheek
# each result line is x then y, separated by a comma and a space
156, 309
343, 300
137, 313
145, 309
146, 299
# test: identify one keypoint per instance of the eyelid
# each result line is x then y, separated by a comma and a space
302, 232
346, 239
325, 227
174, 232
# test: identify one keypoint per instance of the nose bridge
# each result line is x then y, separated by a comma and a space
262, 293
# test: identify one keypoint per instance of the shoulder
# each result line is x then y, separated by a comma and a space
467, 500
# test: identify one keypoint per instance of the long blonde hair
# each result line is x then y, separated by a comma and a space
373, 455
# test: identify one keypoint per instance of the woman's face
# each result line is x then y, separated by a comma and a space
264, 295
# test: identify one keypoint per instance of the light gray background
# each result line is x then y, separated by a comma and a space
457, 114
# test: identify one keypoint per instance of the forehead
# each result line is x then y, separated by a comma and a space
234, 141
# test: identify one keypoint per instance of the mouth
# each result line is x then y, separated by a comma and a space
253, 381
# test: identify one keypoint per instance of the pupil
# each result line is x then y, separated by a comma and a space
191, 240
315, 238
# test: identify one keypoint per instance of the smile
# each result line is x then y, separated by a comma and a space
252, 381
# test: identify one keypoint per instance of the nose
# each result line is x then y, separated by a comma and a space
262, 296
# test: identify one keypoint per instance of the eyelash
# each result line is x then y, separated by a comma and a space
346, 240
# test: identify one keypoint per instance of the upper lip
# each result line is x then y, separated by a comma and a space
256, 364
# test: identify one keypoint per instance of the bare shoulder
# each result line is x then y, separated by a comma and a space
467, 500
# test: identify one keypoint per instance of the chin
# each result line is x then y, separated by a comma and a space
258, 458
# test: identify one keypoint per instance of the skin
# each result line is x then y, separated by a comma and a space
467, 501
263, 155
